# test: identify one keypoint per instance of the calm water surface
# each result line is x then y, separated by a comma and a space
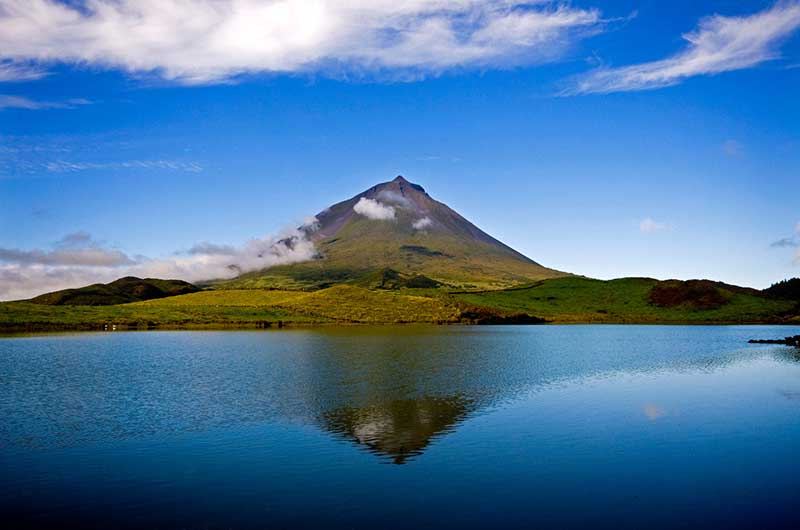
401, 427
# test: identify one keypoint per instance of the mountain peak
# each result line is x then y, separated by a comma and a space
402, 182
396, 225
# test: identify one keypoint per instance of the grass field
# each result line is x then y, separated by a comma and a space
238, 308
578, 299
23, 316
566, 300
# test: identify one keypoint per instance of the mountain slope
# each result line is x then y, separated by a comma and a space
396, 225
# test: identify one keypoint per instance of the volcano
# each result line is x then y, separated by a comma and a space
396, 232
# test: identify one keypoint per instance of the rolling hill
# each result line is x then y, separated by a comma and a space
122, 291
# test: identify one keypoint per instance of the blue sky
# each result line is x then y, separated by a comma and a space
607, 139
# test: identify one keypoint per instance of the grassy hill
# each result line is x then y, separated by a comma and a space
122, 291
250, 308
561, 300
639, 300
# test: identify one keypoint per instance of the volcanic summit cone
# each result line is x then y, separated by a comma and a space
396, 229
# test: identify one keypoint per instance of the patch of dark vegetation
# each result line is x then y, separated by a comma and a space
484, 315
383, 279
316, 278
122, 291
420, 281
422, 250
784, 290
391, 279
490, 318
697, 294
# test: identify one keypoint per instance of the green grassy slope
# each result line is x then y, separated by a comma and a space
568, 300
241, 308
336, 304
25, 316
122, 291
578, 299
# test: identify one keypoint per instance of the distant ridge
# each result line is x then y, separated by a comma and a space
122, 291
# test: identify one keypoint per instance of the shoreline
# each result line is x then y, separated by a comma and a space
37, 328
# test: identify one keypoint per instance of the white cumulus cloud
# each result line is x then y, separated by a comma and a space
650, 226
373, 209
719, 44
422, 224
204, 41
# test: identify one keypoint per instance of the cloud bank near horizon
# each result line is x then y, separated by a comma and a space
211, 41
78, 259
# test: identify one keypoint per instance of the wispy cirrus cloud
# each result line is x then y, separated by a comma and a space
25, 157
792, 241
21, 102
719, 44
26, 169
64, 166
207, 41
786, 242
11, 71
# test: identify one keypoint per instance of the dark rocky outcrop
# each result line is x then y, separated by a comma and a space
788, 341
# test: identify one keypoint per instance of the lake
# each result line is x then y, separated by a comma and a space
402, 427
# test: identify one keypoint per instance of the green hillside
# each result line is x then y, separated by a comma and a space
122, 291
560, 300
637, 300
251, 308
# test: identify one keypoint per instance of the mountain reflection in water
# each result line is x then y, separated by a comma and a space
400, 429
392, 390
